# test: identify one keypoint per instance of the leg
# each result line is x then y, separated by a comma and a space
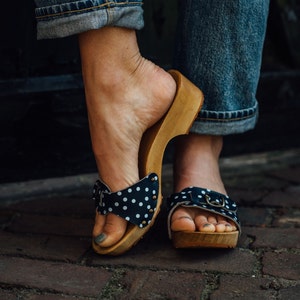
219, 42
196, 164
125, 95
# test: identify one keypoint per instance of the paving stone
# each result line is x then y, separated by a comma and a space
48, 239
282, 265
287, 218
240, 287
53, 276
51, 297
259, 162
44, 246
287, 198
72, 205
245, 241
167, 182
32, 295
161, 255
275, 238
7, 295
148, 285
290, 293
5, 217
67, 226
291, 173
257, 181
248, 195
19, 191
254, 216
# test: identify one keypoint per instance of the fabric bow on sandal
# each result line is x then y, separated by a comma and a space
135, 204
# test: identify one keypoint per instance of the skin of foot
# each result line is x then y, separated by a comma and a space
196, 164
125, 95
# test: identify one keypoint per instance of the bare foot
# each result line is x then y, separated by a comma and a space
125, 94
197, 165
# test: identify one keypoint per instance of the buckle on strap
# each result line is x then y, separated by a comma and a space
213, 199
220, 203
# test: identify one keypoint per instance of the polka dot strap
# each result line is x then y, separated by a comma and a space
135, 204
207, 200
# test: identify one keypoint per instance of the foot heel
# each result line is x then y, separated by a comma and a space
177, 121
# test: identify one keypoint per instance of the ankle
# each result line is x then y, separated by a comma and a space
197, 162
194, 146
108, 55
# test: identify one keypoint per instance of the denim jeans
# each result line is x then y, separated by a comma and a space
61, 18
219, 48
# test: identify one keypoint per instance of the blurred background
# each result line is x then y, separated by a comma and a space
43, 120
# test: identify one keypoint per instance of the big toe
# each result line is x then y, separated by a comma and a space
182, 220
109, 232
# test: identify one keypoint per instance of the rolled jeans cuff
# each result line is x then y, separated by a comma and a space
62, 20
225, 122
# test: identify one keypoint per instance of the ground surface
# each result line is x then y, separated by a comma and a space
45, 248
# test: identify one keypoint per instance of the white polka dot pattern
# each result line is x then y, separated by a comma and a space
135, 204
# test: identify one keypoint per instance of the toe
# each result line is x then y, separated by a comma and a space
227, 225
192, 219
228, 228
211, 218
182, 220
99, 224
210, 222
220, 227
203, 224
113, 229
207, 227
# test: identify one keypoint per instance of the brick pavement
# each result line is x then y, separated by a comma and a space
45, 248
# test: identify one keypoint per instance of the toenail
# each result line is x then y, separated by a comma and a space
207, 225
100, 238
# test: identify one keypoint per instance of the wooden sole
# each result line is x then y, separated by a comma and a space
182, 239
177, 121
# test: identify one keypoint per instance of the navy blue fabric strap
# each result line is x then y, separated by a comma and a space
207, 200
136, 204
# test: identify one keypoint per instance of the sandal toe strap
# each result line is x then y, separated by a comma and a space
136, 204
205, 199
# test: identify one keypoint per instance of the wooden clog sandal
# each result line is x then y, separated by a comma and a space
140, 203
209, 201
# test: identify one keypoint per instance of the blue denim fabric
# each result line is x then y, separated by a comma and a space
219, 48
61, 18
